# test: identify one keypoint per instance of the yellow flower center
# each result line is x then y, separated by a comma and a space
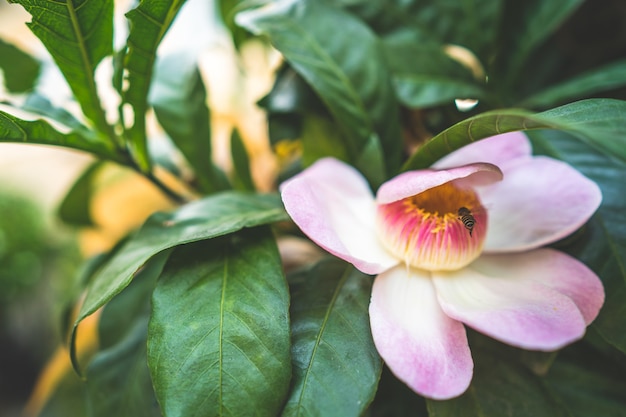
443, 228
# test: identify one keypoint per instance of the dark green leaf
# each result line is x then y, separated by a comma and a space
210, 217
335, 363
41, 132
75, 208
395, 399
603, 247
20, 69
148, 24
599, 79
600, 122
179, 100
241, 163
218, 339
354, 83
78, 34
118, 379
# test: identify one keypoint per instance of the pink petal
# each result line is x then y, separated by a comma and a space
333, 205
412, 183
422, 346
520, 299
498, 150
539, 201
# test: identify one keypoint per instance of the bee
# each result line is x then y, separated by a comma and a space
465, 215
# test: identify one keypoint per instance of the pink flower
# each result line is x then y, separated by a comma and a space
458, 244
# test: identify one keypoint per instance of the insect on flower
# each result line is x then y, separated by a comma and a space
465, 215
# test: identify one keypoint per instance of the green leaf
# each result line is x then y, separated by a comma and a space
599, 79
599, 122
118, 379
424, 75
218, 341
78, 34
500, 388
354, 83
75, 208
20, 69
179, 100
13, 129
335, 364
604, 245
217, 215
148, 24
241, 163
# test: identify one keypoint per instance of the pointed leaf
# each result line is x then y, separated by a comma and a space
213, 216
20, 69
13, 129
218, 339
78, 34
148, 24
75, 207
599, 122
241, 163
354, 83
335, 363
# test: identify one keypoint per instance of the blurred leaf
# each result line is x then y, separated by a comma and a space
218, 339
36, 103
67, 399
118, 379
241, 163
500, 388
179, 100
354, 83
228, 9
600, 79
599, 122
41, 132
217, 215
395, 399
20, 69
321, 138
604, 245
78, 34
335, 363
523, 26
75, 208
148, 24
424, 75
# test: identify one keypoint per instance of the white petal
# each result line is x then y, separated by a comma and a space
421, 345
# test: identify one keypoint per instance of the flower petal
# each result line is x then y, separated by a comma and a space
333, 205
411, 183
521, 299
539, 201
498, 150
421, 345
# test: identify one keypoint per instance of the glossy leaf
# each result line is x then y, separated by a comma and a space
335, 364
602, 244
210, 217
179, 100
118, 380
148, 24
599, 122
75, 207
78, 35
599, 79
353, 83
13, 129
20, 69
218, 341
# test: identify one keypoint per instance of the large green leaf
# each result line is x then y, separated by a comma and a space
118, 379
13, 129
78, 34
148, 24
218, 341
353, 82
603, 244
179, 100
335, 364
596, 80
599, 122
75, 207
20, 69
210, 217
